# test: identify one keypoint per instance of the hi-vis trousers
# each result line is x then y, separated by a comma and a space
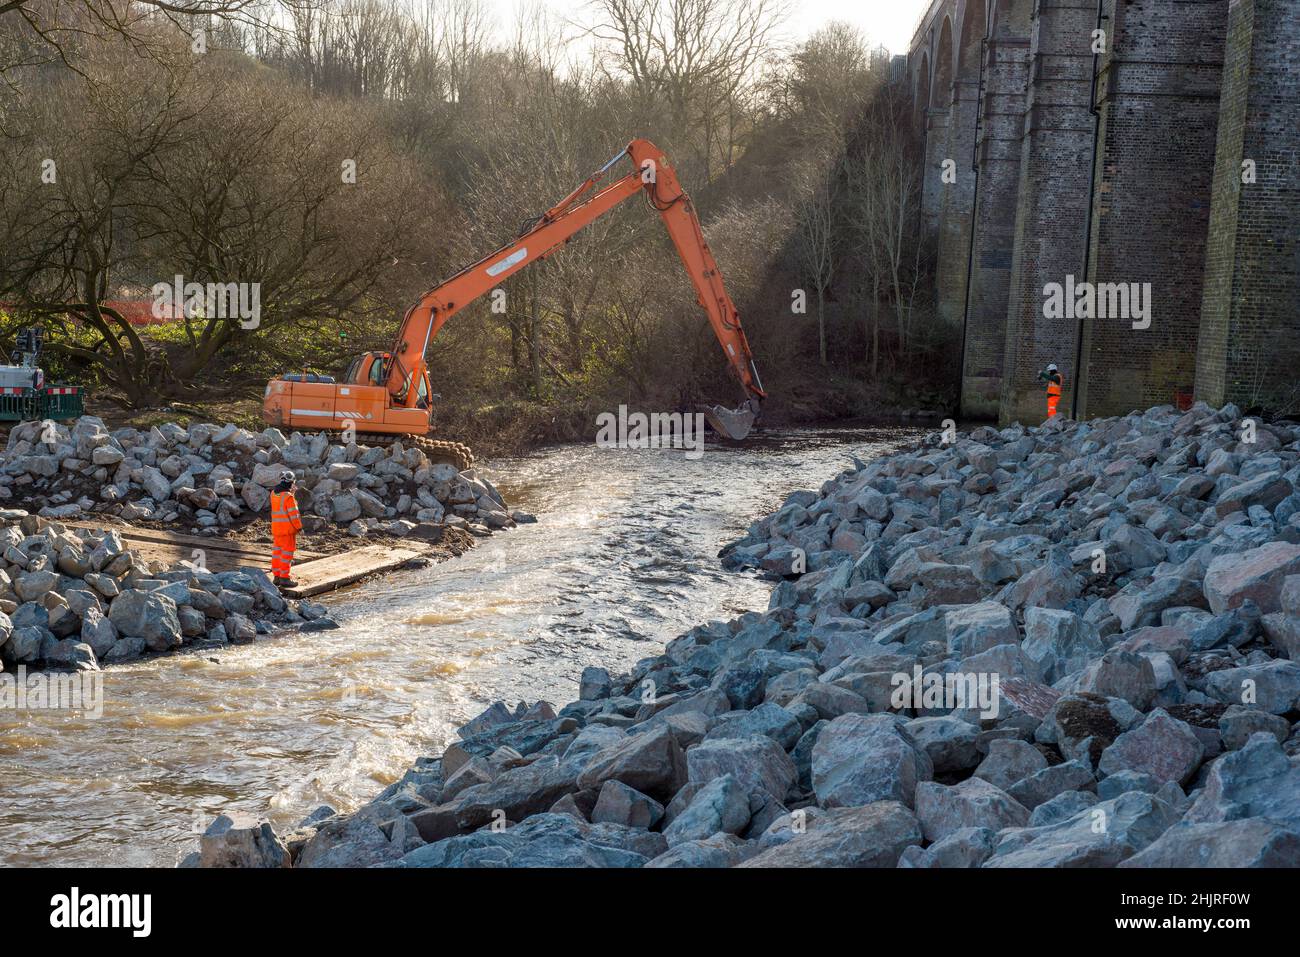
282, 554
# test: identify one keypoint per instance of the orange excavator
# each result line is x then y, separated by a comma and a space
386, 396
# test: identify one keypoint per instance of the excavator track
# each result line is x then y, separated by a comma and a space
453, 453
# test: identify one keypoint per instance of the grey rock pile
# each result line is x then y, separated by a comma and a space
74, 599
1127, 590
209, 477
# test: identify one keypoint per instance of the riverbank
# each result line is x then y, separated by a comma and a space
82, 590
1121, 601
494, 426
74, 598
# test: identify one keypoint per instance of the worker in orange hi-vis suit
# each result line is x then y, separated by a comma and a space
285, 526
1054, 382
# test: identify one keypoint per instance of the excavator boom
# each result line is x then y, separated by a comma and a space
655, 176
386, 396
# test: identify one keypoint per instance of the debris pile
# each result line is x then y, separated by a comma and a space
979, 648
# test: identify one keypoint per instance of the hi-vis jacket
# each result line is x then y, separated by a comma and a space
285, 520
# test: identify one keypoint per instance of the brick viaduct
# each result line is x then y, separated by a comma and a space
1163, 150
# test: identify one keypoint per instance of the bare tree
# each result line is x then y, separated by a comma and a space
694, 57
34, 31
817, 217
883, 208
148, 188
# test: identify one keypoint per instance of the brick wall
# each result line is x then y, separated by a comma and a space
1001, 128
1249, 344
1051, 203
932, 189
957, 200
1145, 189
1158, 97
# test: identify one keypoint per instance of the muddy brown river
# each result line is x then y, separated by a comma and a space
623, 559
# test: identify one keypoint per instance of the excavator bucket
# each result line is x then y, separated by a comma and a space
735, 424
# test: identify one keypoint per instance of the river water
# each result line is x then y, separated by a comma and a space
623, 559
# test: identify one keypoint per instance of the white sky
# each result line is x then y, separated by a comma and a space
888, 22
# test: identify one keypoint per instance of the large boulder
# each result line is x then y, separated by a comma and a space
859, 759
873, 835
236, 840
344, 508
1130, 547
1121, 674
1034, 790
1272, 686
1251, 842
516, 792
1057, 643
376, 834
543, 840
768, 719
951, 743
945, 584
1136, 605
1266, 492
979, 627
716, 851
758, 763
620, 804
1255, 782
71, 654
1010, 760
1099, 836
33, 586
98, 631
1047, 586
972, 803
966, 847
1163, 747
1255, 575
652, 762
147, 615
720, 805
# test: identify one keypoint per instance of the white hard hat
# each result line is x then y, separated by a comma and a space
287, 476
1051, 367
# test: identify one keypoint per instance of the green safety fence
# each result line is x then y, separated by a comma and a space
52, 402
62, 402
19, 405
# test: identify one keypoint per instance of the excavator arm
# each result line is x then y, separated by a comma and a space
651, 174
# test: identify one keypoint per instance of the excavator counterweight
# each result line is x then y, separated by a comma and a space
387, 395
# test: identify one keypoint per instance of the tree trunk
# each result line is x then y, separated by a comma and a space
821, 322
534, 363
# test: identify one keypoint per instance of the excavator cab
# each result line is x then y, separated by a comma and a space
373, 368
368, 369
